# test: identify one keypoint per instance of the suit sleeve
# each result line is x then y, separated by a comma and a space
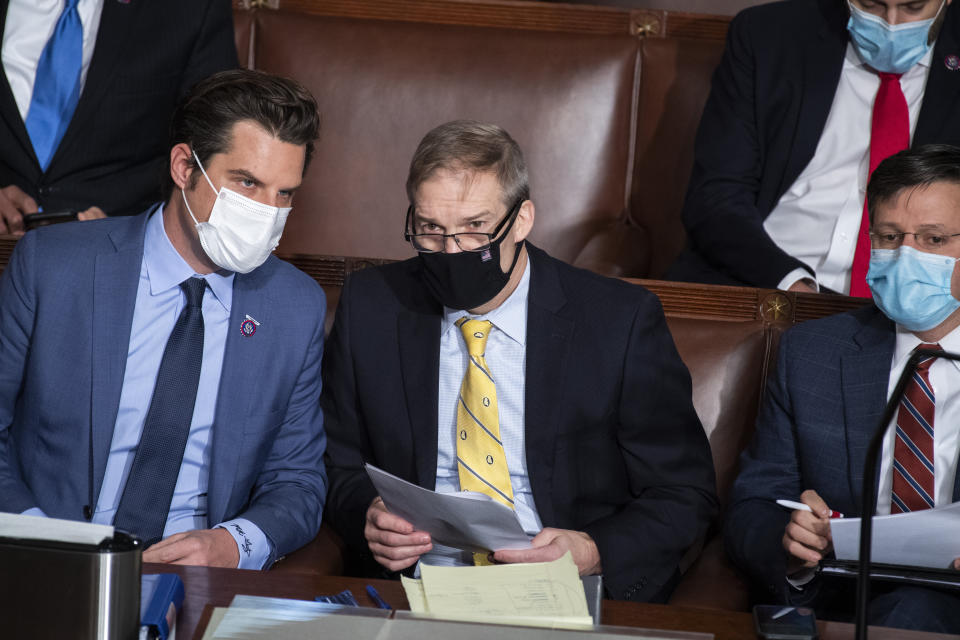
351, 491
669, 466
17, 310
723, 222
769, 469
287, 500
215, 48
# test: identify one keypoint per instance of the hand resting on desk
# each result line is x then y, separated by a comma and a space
208, 547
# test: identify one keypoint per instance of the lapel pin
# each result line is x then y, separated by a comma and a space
952, 62
248, 327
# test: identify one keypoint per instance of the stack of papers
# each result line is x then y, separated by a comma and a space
546, 594
53, 530
925, 538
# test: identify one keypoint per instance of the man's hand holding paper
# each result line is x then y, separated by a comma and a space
394, 542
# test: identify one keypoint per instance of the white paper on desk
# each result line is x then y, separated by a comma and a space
52, 529
925, 538
465, 520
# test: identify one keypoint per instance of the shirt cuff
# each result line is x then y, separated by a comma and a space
252, 543
34, 511
796, 276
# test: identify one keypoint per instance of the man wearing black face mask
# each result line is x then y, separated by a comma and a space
483, 364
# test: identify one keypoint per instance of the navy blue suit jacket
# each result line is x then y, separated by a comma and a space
613, 445
822, 406
768, 105
66, 309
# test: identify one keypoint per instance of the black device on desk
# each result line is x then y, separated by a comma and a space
777, 622
43, 218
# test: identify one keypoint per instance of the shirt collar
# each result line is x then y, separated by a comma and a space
510, 317
907, 342
852, 59
166, 268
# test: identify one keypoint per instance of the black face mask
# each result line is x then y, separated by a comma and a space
467, 280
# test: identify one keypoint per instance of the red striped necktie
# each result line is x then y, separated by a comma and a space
913, 454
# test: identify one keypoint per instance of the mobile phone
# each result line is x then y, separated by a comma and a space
774, 622
43, 218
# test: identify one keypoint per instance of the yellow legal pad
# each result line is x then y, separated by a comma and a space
543, 594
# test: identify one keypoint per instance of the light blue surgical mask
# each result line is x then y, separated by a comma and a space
912, 287
886, 47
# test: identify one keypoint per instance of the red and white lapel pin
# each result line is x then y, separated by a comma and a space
249, 327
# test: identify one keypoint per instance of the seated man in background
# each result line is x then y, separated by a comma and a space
809, 97
484, 364
92, 86
162, 372
828, 393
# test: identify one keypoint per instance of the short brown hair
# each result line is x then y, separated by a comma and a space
468, 145
205, 117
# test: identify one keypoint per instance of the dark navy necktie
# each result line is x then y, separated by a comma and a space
146, 497
56, 89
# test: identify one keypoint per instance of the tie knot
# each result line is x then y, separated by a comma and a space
69, 5
194, 288
475, 332
924, 364
886, 78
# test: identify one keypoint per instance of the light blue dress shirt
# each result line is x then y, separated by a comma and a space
506, 355
159, 303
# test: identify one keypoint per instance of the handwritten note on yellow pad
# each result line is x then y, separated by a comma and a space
543, 594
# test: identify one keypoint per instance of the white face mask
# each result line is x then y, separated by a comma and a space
240, 233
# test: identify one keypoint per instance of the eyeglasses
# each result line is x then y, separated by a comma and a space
928, 240
473, 241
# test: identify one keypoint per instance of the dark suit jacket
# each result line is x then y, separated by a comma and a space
66, 308
822, 406
113, 154
768, 105
613, 445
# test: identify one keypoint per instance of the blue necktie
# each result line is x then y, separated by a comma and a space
145, 502
56, 89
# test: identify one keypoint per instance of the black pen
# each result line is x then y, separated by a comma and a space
377, 600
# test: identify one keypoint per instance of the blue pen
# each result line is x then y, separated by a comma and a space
377, 600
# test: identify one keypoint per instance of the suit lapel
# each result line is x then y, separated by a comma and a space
241, 358
864, 381
116, 277
116, 25
419, 344
548, 346
8, 105
942, 93
822, 64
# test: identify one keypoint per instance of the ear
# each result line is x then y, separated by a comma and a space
181, 165
524, 222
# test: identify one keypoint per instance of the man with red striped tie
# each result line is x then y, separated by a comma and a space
827, 395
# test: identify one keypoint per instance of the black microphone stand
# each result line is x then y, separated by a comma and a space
869, 502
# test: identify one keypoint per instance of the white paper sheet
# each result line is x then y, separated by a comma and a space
40, 528
925, 538
465, 520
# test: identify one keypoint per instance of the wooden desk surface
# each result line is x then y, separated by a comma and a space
217, 587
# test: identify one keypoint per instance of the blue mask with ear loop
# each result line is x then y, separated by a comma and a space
890, 48
912, 287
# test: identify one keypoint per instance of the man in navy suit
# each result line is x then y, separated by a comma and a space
587, 427
781, 159
86, 310
827, 395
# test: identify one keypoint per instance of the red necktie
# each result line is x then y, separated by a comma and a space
913, 451
889, 133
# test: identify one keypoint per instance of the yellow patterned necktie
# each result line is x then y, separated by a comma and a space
481, 461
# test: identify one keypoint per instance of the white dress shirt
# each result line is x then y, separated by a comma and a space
945, 380
506, 356
817, 220
29, 25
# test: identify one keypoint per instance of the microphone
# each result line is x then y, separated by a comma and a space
869, 501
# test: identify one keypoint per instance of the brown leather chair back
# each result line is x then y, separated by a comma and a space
566, 98
728, 364
674, 84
